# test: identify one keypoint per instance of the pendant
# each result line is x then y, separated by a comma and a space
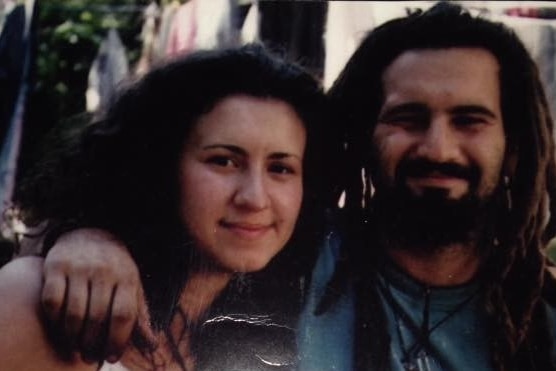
419, 363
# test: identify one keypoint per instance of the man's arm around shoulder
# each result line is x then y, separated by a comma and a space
24, 345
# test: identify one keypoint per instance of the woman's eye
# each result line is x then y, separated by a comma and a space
221, 161
281, 169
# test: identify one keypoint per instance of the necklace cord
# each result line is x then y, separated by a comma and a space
424, 332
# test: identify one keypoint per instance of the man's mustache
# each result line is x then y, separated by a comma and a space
423, 167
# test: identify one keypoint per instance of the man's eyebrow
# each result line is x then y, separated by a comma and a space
410, 107
413, 107
473, 109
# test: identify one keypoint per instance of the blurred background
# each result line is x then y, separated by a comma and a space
62, 60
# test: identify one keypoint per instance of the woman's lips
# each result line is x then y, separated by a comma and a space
247, 230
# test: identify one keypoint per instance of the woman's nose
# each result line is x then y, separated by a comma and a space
251, 192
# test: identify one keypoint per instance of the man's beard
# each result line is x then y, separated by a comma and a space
431, 220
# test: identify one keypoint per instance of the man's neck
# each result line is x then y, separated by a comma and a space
446, 266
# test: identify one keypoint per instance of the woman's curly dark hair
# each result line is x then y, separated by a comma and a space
121, 174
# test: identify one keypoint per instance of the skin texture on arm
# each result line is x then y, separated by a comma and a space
92, 292
24, 345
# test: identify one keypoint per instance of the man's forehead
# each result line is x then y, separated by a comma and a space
462, 75
413, 54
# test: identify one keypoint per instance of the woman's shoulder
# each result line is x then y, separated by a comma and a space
20, 285
24, 344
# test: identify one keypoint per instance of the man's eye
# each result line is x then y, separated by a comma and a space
467, 120
221, 161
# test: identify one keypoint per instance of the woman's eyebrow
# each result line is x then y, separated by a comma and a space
240, 151
282, 155
229, 147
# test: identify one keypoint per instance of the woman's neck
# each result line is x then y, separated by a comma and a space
201, 289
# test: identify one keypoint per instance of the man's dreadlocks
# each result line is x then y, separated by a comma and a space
515, 275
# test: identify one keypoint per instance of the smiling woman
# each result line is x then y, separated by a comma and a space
241, 180
207, 171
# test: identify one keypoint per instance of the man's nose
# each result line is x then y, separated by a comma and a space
438, 142
251, 192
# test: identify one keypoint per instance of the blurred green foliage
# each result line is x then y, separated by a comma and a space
69, 33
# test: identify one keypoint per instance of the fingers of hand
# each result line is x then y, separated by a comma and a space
122, 320
90, 290
94, 331
53, 295
75, 311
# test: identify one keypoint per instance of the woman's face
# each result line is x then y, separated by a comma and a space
241, 181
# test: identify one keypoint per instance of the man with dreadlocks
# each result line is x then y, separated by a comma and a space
445, 117
438, 263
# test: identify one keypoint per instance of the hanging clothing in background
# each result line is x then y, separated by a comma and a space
155, 35
348, 22
16, 53
183, 30
248, 21
346, 25
12, 50
295, 30
242, 8
148, 36
532, 12
202, 24
108, 70
539, 37
216, 24
6, 7
162, 38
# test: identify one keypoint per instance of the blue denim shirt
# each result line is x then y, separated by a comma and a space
458, 340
